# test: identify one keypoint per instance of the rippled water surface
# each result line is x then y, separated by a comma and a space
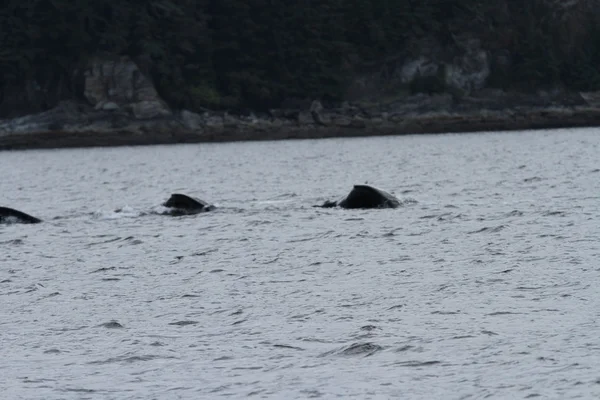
484, 283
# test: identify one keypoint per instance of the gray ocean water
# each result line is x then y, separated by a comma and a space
484, 284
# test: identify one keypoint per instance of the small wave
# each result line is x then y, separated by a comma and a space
396, 307
259, 222
204, 253
417, 363
111, 325
502, 313
72, 214
14, 242
183, 323
515, 213
533, 179
104, 269
450, 217
368, 328
391, 233
271, 202
489, 229
408, 347
312, 237
130, 240
41, 380
33, 288
421, 233
79, 390
554, 213
285, 346
115, 239
282, 198
119, 213
356, 349
489, 333
128, 359
408, 201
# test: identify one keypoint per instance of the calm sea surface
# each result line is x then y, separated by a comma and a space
485, 283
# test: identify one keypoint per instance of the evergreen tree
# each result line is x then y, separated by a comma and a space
256, 53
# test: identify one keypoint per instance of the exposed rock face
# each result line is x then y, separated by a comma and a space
469, 71
116, 83
462, 68
191, 120
466, 68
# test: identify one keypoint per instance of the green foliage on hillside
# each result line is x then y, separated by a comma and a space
257, 53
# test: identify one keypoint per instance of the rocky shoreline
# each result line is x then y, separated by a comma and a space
119, 106
73, 124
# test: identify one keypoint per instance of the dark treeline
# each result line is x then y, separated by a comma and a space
257, 53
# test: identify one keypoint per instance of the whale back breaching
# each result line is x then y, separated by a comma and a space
181, 204
365, 196
12, 216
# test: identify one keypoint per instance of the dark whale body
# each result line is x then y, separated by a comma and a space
12, 216
365, 196
181, 204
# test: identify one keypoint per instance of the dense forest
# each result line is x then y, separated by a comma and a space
258, 53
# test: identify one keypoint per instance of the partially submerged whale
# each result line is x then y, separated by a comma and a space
365, 196
12, 216
181, 204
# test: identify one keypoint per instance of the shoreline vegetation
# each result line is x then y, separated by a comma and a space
103, 73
